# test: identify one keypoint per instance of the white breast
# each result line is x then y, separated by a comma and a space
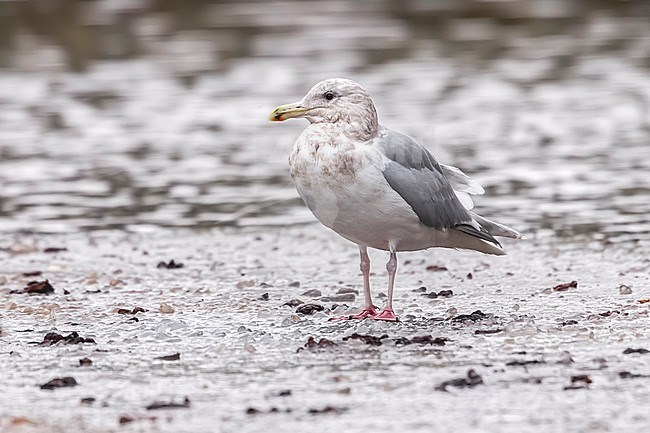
342, 184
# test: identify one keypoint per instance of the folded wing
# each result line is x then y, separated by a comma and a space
413, 172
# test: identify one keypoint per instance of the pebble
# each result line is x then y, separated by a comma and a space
166, 308
624, 290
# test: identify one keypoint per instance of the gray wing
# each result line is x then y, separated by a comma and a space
421, 181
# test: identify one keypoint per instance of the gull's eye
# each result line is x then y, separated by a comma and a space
328, 95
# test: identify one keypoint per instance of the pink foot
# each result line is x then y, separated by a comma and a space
366, 312
387, 315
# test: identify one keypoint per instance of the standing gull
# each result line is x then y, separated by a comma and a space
379, 188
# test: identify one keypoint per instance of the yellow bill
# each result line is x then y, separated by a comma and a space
284, 112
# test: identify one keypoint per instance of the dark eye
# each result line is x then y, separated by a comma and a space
328, 95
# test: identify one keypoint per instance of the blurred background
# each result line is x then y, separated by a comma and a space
142, 114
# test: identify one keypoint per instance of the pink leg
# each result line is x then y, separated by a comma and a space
387, 313
369, 310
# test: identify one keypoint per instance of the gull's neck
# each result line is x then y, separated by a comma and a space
361, 125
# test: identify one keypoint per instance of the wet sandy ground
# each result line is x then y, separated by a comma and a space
545, 360
119, 152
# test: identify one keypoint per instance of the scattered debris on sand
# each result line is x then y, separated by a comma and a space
473, 317
134, 310
170, 265
368, 339
36, 287
422, 340
331, 410
52, 338
173, 357
308, 309
473, 379
565, 286
524, 363
169, 405
52, 250
323, 343
60, 382
640, 351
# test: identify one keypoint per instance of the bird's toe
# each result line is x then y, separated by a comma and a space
387, 315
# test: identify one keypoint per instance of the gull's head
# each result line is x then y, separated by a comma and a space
336, 100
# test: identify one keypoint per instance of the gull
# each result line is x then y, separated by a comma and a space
379, 188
